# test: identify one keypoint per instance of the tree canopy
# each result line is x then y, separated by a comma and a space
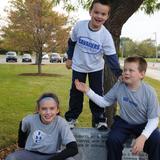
34, 26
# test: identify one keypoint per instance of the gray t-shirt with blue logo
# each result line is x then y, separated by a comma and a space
46, 138
136, 107
90, 47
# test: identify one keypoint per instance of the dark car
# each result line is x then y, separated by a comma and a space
55, 57
26, 58
11, 56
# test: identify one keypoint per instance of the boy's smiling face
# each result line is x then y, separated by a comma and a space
131, 74
48, 110
99, 14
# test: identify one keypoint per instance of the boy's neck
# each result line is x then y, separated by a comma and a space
92, 28
134, 87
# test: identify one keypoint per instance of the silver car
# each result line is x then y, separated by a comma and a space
26, 58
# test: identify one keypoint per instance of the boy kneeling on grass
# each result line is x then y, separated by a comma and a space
139, 111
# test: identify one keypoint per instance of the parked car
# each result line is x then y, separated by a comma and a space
45, 56
26, 58
65, 57
55, 57
11, 56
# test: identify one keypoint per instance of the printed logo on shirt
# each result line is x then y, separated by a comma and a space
88, 45
38, 136
126, 99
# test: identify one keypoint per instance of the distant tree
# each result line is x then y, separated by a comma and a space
147, 48
158, 49
33, 26
61, 40
128, 47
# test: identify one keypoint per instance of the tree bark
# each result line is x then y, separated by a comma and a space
121, 11
39, 63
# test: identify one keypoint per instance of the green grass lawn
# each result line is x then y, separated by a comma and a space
18, 95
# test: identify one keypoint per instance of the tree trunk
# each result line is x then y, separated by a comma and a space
120, 13
39, 69
39, 62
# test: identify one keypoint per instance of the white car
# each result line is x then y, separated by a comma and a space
26, 57
45, 56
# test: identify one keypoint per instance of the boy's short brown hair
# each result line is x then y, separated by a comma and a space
103, 2
137, 59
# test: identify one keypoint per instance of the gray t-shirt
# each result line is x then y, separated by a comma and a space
46, 138
136, 107
90, 47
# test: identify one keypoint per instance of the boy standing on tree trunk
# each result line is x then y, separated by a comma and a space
89, 41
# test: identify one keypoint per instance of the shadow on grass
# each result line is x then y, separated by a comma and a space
41, 74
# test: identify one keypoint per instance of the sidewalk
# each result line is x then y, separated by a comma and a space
153, 73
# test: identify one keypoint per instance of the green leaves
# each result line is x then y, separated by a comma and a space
33, 23
149, 6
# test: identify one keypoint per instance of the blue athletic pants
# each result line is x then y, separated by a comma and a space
121, 131
76, 97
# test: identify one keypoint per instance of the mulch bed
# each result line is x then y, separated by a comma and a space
5, 151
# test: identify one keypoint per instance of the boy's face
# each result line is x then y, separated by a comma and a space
48, 111
99, 14
131, 74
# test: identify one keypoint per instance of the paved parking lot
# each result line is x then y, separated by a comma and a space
153, 70
19, 60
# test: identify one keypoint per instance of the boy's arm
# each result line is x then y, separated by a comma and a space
22, 136
71, 46
70, 51
99, 100
151, 125
113, 63
70, 151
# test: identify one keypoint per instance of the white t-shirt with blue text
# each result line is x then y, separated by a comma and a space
90, 47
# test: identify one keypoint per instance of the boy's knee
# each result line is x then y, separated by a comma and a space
155, 138
111, 140
11, 157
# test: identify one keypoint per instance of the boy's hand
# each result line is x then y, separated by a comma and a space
120, 78
68, 64
81, 86
139, 144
